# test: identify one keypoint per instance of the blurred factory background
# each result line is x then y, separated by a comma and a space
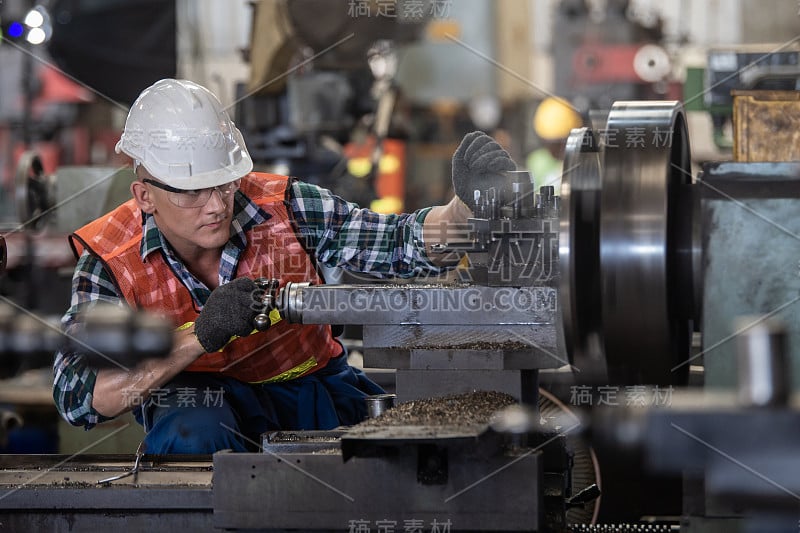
306, 96
367, 98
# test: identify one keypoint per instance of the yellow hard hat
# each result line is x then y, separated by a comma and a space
554, 119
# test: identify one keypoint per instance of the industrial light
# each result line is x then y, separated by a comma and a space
34, 18
36, 36
15, 30
38, 24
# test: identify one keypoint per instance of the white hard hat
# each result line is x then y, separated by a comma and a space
180, 133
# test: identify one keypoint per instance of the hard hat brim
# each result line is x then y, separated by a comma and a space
221, 176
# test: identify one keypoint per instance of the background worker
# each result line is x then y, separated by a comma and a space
553, 120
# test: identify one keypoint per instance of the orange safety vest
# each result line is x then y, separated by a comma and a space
285, 351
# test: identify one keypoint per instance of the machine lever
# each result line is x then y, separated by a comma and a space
590, 493
132, 472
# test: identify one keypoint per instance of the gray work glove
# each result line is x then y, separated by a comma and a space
479, 163
229, 311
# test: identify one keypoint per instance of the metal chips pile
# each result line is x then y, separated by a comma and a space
454, 410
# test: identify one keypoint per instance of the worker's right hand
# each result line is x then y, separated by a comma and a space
228, 312
479, 163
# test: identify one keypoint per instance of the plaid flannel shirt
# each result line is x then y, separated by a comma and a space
338, 233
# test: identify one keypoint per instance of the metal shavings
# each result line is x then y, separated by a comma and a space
454, 410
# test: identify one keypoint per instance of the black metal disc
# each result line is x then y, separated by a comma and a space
646, 173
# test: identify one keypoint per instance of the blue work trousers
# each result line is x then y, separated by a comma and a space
201, 413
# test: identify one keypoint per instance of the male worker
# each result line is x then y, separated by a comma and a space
553, 120
199, 228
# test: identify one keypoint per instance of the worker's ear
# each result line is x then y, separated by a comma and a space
142, 194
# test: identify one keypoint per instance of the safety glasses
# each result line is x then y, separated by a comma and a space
196, 197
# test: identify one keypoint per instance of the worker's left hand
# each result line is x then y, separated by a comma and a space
479, 163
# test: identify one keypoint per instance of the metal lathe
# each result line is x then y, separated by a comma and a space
633, 274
